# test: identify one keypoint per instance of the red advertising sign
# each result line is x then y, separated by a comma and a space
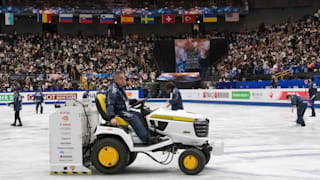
284, 94
54, 97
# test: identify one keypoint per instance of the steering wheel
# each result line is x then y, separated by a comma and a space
141, 103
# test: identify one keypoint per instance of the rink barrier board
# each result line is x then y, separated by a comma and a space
232, 103
199, 102
254, 97
69, 172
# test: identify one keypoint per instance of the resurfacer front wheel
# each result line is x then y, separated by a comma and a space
192, 161
132, 157
109, 155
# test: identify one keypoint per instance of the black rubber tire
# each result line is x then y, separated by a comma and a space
122, 151
197, 154
207, 155
132, 157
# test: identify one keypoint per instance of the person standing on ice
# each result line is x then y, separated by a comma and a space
17, 106
301, 104
175, 96
312, 95
38, 98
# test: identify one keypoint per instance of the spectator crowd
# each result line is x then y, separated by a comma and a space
272, 49
56, 62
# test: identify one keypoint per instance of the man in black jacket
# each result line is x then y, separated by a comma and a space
301, 104
118, 103
17, 106
312, 95
175, 96
38, 98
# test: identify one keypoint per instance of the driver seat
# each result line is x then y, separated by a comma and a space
102, 108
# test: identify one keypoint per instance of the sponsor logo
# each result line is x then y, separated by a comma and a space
65, 133
65, 148
240, 95
65, 143
215, 95
64, 112
65, 118
65, 128
271, 95
66, 138
65, 124
65, 156
6, 97
284, 94
72, 168
54, 97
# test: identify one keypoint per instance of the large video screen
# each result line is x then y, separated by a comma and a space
190, 53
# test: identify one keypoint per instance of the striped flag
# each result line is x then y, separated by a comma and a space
85, 18
207, 18
106, 18
65, 18
232, 17
147, 19
127, 19
9, 19
44, 18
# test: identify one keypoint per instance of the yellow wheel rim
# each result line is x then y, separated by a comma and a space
108, 156
190, 162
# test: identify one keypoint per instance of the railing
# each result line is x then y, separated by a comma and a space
282, 74
84, 83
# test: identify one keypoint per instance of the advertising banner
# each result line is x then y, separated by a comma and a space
58, 96
241, 95
254, 95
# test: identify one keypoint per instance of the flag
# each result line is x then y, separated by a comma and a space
189, 18
44, 18
65, 18
127, 19
232, 17
147, 19
168, 19
106, 18
9, 20
85, 18
210, 18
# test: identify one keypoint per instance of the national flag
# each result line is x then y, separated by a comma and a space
189, 18
65, 18
127, 19
106, 18
168, 19
232, 17
44, 18
9, 20
85, 18
147, 19
210, 18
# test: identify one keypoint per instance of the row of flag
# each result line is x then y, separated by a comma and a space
126, 19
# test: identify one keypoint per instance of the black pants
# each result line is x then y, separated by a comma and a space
17, 117
312, 107
37, 107
300, 112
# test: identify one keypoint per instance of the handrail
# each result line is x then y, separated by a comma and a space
282, 74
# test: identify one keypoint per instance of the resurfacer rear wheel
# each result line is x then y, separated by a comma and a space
192, 161
109, 155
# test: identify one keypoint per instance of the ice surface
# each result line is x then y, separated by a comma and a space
260, 143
